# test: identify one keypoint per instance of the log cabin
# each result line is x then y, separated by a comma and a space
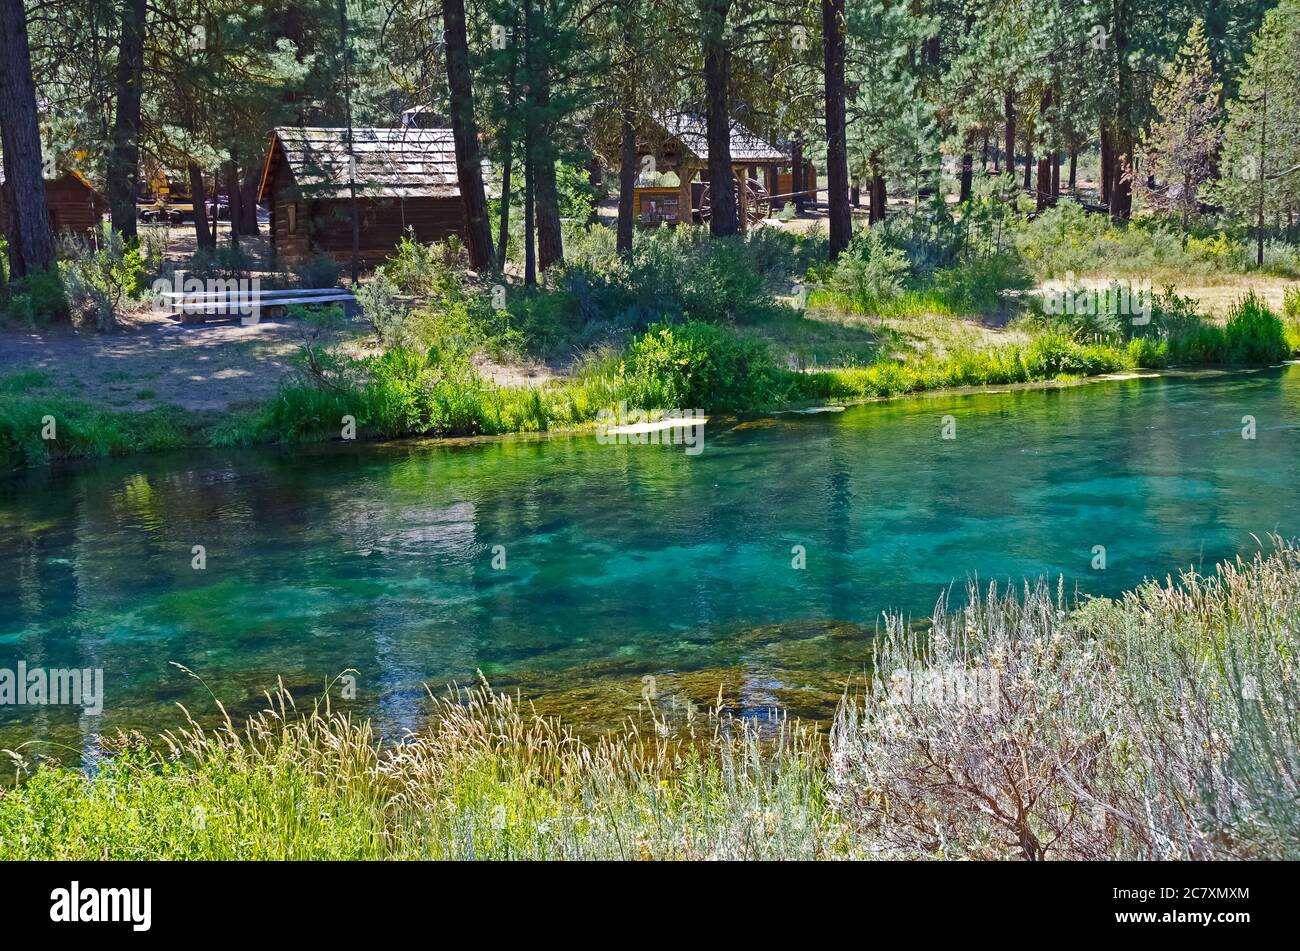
679, 143
405, 180
73, 204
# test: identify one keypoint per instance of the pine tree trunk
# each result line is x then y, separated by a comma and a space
202, 235
216, 205
837, 150
252, 179
796, 171
236, 199
469, 171
550, 238
879, 199
507, 146
1056, 176
627, 173
723, 219
503, 226
1074, 169
1044, 184
1106, 164
1009, 109
1123, 132
530, 215
967, 175
124, 156
31, 245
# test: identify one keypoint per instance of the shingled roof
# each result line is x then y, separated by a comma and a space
390, 163
691, 130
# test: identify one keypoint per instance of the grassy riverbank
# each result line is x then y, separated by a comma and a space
685, 323
1161, 725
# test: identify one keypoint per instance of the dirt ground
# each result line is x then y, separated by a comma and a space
155, 360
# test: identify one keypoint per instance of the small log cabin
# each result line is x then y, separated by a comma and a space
405, 179
680, 144
74, 206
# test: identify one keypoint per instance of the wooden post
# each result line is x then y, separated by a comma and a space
685, 214
742, 201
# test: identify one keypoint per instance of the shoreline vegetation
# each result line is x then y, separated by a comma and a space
1162, 725
686, 321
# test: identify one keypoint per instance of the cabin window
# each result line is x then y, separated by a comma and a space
291, 217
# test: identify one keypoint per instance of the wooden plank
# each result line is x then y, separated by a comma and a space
197, 295
237, 307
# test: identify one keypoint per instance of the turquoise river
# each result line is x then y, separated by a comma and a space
571, 571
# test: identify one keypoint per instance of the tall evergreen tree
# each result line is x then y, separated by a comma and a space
464, 126
1182, 146
1261, 148
31, 245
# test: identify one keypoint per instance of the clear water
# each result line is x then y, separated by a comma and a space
621, 562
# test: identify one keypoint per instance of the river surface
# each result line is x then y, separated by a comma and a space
571, 571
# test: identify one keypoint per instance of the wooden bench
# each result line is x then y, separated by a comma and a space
194, 307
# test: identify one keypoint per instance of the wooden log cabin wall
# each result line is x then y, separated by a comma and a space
74, 206
405, 179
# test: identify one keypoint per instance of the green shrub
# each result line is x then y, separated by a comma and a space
321, 271
1052, 356
83, 430
698, 366
99, 278
1202, 344
377, 300
1148, 352
1254, 334
974, 287
426, 270
38, 299
870, 272
1291, 303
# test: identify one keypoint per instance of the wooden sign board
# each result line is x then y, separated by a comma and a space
657, 206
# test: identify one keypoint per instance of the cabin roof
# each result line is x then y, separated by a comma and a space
71, 173
691, 130
390, 163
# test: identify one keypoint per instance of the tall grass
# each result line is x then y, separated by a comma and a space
1165, 725
487, 780
79, 429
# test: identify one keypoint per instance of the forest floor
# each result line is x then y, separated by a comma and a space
154, 360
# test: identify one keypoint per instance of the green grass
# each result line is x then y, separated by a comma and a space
79, 429
691, 365
23, 381
1162, 725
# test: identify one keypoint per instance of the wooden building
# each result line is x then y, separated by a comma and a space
73, 204
679, 143
405, 179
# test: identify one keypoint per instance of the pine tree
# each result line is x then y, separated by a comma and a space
1181, 148
31, 245
1261, 147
